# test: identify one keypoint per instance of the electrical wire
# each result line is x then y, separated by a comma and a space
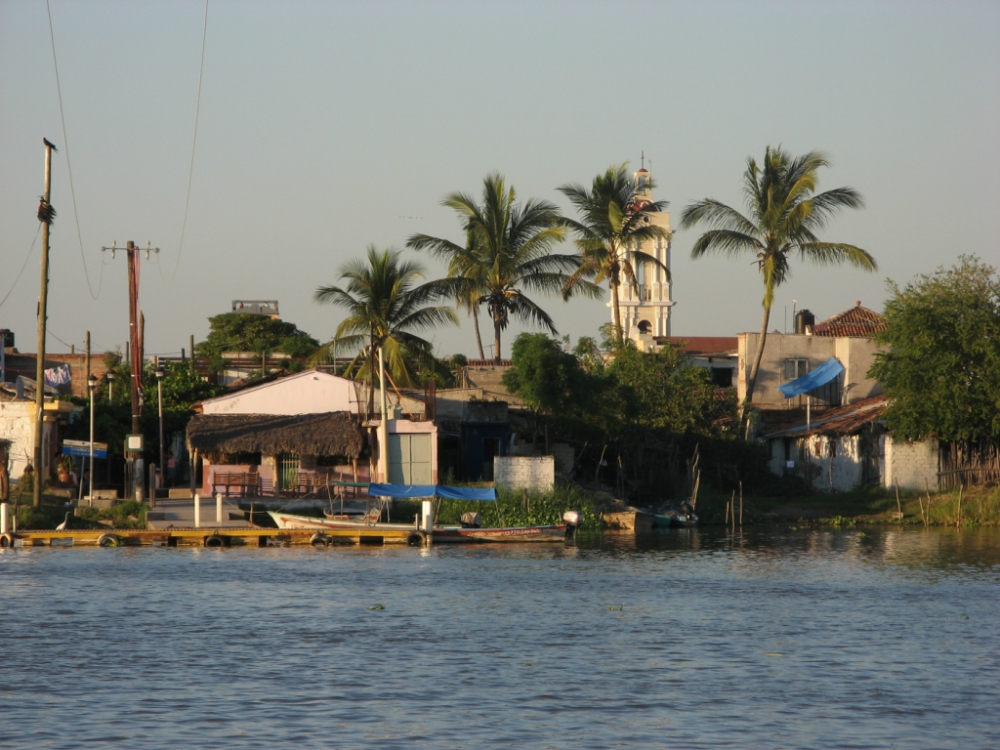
194, 144
69, 166
23, 265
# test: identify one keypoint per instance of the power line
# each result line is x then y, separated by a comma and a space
194, 144
23, 265
69, 166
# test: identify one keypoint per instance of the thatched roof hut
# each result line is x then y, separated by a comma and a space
329, 434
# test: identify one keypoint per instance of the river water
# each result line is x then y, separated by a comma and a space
686, 639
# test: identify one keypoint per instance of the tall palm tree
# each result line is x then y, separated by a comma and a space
508, 251
467, 267
784, 214
385, 305
614, 222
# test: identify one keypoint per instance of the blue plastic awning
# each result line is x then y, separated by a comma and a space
413, 491
820, 376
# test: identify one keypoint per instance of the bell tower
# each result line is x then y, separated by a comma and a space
646, 310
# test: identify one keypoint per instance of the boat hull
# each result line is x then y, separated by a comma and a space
440, 534
518, 534
292, 521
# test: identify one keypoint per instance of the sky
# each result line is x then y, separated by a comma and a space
324, 127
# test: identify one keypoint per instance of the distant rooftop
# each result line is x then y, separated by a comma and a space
858, 322
702, 345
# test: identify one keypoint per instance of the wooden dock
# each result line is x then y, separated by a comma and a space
207, 537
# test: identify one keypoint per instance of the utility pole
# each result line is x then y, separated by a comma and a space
133, 454
45, 215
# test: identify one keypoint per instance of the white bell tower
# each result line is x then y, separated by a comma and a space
646, 310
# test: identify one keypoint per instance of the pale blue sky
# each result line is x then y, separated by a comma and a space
328, 126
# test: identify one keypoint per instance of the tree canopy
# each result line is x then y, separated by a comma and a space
942, 367
614, 222
385, 306
257, 334
507, 253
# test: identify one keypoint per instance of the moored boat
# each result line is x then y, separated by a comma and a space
470, 531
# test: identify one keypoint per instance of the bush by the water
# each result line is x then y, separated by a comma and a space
513, 508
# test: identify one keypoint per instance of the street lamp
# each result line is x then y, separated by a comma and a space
92, 387
111, 386
160, 373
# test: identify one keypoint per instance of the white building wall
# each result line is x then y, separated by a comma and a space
812, 460
17, 426
911, 465
310, 392
525, 472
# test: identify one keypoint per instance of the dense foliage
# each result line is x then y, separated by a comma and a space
942, 369
256, 334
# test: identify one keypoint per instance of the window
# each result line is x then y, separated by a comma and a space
796, 368
722, 377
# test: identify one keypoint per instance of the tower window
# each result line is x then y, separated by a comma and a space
645, 326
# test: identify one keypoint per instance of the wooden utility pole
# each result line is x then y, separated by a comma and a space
135, 350
45, 215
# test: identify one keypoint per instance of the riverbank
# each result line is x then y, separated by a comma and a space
973, 506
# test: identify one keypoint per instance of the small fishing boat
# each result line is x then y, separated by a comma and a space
675, 516
470, 531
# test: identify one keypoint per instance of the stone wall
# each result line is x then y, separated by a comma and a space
525, 472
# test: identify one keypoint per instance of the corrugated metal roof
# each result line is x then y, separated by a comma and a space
841, 420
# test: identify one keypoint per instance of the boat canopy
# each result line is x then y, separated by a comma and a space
811, 380
413, 491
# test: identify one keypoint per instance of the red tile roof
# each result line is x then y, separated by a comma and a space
858, 321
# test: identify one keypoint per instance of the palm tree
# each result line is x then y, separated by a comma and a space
385, 305
614, 222
508, 250
783, 217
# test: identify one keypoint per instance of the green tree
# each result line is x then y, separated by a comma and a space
385, 306
783, 215
614, 222
942, 367
661, 393
257, 334
508, 250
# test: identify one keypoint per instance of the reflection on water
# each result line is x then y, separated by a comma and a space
688, 638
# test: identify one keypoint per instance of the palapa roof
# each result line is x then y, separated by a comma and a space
328, 434
858, 321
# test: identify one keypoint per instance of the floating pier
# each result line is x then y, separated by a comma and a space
207, 537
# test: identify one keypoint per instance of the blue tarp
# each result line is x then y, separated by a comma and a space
413, 491
811, 380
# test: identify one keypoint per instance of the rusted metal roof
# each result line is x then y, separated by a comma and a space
841, 420
703, 345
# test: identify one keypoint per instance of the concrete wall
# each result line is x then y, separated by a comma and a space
854, 353
911, 466
525, 472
